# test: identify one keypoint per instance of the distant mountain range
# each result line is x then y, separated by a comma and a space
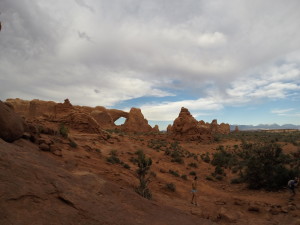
265, 127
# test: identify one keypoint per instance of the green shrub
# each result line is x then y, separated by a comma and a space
63, 130
174, 173
171, 187
224, 158
237, 180
184, 177
144, 165
195, 165
113, 158
209, 178
219, 177
126, 166
193, 173
72, 143
205, 157
265, 166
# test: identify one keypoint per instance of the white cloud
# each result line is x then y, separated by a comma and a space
282, 112
224, 53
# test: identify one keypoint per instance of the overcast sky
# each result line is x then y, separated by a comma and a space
236, 61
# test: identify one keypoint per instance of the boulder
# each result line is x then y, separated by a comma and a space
12, 125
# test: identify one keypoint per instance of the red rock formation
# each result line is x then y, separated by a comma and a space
136, 122
103, 118
236, 129
224, 128
11, 124
185, 126
20, 106
156, 129
117, 114
169, 129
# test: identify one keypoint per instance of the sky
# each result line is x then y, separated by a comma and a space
237, 61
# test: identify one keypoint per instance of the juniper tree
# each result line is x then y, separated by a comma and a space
143, 175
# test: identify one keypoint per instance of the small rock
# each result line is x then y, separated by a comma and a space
228, 216
220, 203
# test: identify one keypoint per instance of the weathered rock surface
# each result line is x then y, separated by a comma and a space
82, 118
136, 122
39, 188
11, 124
185, 126
103, 118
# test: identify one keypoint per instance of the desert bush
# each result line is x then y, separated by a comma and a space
219, 177
205, 157
63, 130
195, 165
193, 173
210, 178
265, 166
144, 165
184, 177
126, 166
171, 187
237, 180
224, 158
174, 173
113, 158
72, 143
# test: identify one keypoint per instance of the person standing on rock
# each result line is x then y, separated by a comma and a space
194, 191
292, 184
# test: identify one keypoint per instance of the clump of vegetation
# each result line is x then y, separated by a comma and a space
184, 177
126, 166
210, 178
205, 157
171, 187
157, 144
72, 143
265, 166
195, 165
63, 130
224, 158
193, 173
113, 158
174, 173
144, 164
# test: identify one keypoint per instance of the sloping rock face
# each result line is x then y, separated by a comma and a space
185, 126
136, 122
103, 118
11, 124
37, 188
